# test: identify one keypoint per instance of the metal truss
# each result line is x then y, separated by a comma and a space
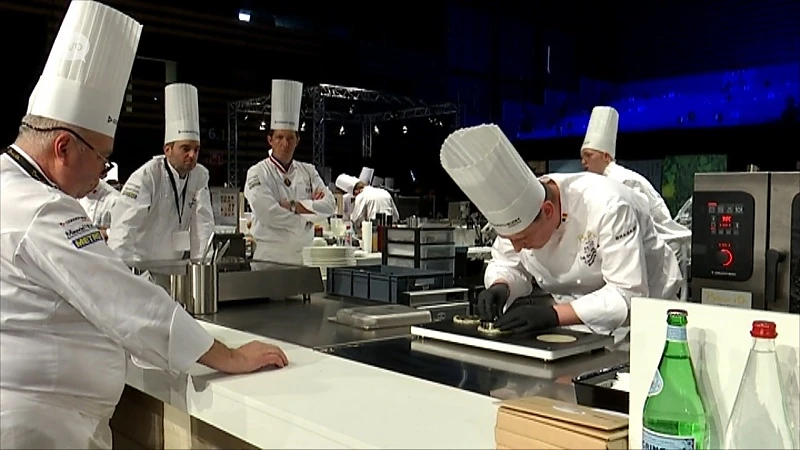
319, 111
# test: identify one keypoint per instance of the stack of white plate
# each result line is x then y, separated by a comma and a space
324, 257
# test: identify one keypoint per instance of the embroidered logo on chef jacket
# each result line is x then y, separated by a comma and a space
589, 242
81, 229
253, 182
87, 240
625, 234
131, 191
78, 219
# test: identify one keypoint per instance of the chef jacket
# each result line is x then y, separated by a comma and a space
669, 230
70, 310
347, 206
605, 252
371, 202
98, 204
280, 234
155, 219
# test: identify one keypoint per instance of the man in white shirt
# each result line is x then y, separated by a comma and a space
70, 308
586, 240
164, 212
286, 196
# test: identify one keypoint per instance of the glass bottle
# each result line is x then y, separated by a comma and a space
759, 418
674, 416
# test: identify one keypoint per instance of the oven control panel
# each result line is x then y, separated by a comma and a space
723, 226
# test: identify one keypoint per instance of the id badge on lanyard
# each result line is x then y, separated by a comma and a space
180, 239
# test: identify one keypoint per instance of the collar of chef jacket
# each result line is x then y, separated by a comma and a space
33, 163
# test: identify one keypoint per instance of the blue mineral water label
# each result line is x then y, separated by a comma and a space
677, 334
656, 385
652, 440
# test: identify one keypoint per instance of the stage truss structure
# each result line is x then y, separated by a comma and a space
320, 105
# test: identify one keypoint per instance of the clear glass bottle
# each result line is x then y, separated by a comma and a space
759, 418
674, 415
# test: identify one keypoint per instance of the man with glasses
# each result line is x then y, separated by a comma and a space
99, 202
70, 308
165, 212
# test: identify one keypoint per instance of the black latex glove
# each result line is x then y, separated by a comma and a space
526, 319
490, 301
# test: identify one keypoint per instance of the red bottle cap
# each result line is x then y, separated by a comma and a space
763, 329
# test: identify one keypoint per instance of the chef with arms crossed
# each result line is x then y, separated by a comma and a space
286, 196
586, 240
164, 212
70, 308
598, 156
98, 204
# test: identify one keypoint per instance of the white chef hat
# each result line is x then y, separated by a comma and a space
84, 80
366, 175
181, 113
346, 182
601, 133
286, 99
484, 164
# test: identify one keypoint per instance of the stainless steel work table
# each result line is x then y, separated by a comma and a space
489, 373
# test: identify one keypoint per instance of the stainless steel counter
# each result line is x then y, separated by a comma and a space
490, 373
300, 323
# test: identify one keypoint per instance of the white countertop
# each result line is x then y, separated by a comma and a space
322, 401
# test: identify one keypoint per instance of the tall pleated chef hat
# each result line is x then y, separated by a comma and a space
484, 164
366, 175
84, 80
181, 113
346, 182
601, 133
286, 98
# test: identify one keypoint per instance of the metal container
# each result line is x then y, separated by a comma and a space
203, 295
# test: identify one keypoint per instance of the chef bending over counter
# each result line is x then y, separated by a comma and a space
586, 240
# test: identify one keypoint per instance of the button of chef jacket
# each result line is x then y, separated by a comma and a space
577, 281
539, 280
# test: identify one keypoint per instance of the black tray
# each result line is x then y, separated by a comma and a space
591, 389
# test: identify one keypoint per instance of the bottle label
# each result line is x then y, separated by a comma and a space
652, 440
656, 385
676, 333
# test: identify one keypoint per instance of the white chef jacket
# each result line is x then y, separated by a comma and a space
145, 220
668, 229
70, 310
98, 204
605, 252
280, 235
347, 206
371, 202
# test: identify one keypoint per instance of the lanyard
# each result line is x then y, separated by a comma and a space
180, 202
27, 166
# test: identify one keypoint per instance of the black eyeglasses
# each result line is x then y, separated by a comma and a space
107, 165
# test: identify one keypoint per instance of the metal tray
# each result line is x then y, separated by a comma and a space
381, 316
593, 389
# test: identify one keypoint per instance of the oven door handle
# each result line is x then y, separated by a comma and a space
773, 259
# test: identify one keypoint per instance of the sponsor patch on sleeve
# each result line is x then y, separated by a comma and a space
253, 182
131, 191
87, 239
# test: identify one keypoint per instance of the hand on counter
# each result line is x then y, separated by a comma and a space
245, 359
490, 301
529, 318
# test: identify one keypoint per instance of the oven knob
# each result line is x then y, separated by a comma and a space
725, 257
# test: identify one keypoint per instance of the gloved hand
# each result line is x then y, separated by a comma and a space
490, 300
529, 318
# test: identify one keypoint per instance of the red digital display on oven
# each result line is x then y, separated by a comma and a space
726, 220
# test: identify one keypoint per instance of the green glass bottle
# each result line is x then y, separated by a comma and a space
674, 416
